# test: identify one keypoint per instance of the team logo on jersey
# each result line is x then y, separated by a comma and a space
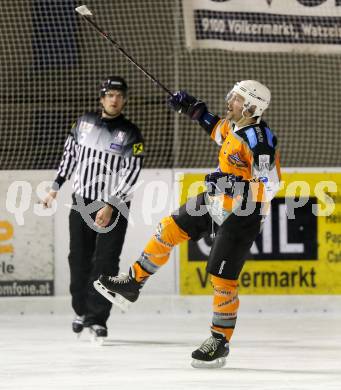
119, 137
85, 127
235, 160
137, 148
264, 162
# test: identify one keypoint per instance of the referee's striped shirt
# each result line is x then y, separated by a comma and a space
106, 155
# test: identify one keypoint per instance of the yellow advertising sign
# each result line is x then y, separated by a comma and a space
299, 249
6, 233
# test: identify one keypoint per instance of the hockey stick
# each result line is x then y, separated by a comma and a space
84, 11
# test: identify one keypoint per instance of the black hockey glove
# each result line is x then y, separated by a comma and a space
184, 103
222, 183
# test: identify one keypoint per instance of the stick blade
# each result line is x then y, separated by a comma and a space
83, 10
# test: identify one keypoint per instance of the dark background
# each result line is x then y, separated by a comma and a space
52, 64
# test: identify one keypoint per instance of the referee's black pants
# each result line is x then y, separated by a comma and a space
92, 254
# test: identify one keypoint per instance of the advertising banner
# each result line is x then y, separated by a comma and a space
298, 250
263, 25
26, 236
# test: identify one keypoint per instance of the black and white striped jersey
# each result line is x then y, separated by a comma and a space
106, 155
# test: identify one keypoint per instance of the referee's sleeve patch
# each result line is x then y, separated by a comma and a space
137, 148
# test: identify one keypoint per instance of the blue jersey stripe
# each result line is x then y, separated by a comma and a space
269, 136
252, 137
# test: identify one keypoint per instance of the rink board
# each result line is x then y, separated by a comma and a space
301, 255
26, 236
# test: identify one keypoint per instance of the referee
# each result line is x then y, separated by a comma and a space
105, 150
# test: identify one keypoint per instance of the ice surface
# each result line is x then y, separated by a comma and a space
39, 352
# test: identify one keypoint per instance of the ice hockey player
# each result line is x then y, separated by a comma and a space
238, 195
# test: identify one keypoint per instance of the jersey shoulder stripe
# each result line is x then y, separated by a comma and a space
270, 137
258, 137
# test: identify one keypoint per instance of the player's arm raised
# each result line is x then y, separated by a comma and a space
195, 109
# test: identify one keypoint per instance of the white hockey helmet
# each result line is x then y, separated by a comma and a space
256, 95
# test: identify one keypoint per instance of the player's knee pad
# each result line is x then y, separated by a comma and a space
225, 305
169, 233
158, 249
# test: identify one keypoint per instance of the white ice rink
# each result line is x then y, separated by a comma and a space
271, 349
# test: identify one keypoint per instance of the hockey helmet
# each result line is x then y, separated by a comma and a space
115, 83
257, 96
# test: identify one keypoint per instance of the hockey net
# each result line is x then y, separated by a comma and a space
52, 65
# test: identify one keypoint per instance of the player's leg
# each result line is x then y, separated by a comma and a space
82, 245
105, 261
124, 289
171, 231
229, 252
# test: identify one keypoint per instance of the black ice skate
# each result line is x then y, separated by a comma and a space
78, 324
121, 290
212, 352
98, 333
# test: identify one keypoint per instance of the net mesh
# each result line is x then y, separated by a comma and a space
52, 64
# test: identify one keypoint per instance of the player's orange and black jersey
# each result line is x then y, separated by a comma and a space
250, 154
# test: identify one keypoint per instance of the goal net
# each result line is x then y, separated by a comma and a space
52, 64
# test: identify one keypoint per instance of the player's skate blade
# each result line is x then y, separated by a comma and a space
96, 339
217, 363
115, 299
212, 353
98, 334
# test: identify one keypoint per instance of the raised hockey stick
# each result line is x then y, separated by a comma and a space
84, 11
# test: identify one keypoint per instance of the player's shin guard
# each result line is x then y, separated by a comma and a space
213, 352
157, 251
225, 305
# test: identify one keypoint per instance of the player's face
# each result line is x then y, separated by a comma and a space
234, 106
113, 102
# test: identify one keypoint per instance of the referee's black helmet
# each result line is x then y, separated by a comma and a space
114, 82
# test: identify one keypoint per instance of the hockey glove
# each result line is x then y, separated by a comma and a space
218, 183
184, 103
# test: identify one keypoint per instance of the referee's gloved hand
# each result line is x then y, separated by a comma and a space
184, 103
